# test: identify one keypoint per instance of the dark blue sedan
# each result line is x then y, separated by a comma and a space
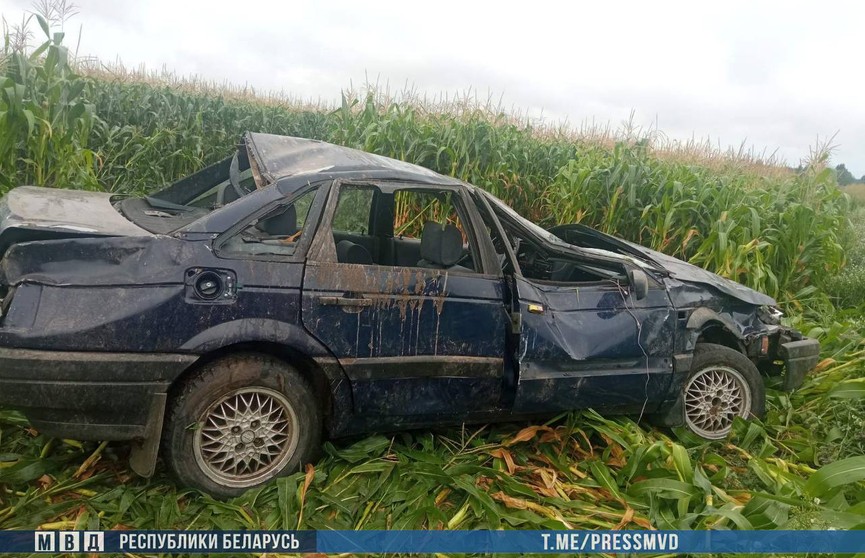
298, 290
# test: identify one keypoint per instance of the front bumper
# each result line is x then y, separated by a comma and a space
799, 357
87, 396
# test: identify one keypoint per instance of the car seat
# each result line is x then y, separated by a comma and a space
349, 252
282, 224
441, 247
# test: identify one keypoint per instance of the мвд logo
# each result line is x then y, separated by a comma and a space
69, 541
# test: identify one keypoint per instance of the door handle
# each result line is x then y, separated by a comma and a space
344, 301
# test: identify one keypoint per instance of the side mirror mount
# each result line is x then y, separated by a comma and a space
639, 283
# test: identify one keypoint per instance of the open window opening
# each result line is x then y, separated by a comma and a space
403, 227
543, 257
276, 232
539, 263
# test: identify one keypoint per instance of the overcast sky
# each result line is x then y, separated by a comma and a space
774, 75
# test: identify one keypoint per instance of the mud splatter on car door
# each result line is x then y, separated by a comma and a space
413, 340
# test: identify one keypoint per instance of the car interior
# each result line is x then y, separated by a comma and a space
275, 233
538, 262
405, 228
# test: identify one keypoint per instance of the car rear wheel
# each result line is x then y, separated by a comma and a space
240, 421
723, 385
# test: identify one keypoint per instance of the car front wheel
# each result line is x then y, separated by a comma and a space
723, 385
240, 421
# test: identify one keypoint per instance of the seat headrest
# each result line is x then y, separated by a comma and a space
349, 252
441, 244
226, 194
281, 224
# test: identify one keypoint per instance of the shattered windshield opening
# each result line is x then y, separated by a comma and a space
193, 197
548, 236
537, 230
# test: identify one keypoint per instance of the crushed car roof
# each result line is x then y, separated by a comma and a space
281, 156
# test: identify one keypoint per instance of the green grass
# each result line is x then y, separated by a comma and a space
856, 191
789, 234
847, 287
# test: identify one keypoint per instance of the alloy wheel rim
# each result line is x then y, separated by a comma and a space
715, 396
246, 437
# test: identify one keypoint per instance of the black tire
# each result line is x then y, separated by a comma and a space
717, 361
286, 435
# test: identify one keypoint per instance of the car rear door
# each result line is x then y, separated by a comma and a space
411, 339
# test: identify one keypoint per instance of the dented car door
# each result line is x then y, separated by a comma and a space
593, 345
585, 334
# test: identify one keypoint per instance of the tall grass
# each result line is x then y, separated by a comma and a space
780, 236
847, 288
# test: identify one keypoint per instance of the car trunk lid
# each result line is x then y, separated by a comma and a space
33, 213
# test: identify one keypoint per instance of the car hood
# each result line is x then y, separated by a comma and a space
583, 236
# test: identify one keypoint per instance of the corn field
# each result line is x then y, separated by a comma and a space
784, 232
776, 230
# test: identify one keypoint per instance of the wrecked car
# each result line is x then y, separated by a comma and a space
299, 290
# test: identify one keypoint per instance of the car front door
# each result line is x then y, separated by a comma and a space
418, 328
585, 338
593, 345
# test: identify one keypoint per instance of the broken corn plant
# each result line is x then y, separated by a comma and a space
580, 471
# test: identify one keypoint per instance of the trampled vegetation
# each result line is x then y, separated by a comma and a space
783, 232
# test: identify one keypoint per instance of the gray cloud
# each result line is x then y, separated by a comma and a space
774, 74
